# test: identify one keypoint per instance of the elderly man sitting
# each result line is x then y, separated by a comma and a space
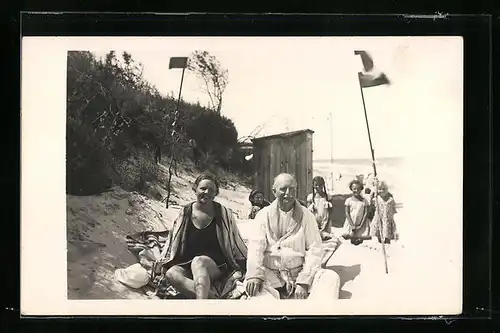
285, 255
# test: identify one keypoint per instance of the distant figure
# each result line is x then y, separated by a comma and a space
356, 226
361, 178
319, 203
258, 202
369, 181
195, 151
383, 226
157, 154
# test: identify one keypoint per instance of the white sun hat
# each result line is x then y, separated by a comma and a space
134, 276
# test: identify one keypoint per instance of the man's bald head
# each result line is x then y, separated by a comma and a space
284, 189
284, 178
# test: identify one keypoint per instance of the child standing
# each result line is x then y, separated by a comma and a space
356, 226
318, 202
383, 226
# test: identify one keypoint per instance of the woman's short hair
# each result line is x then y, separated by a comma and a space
356, 181
207, 176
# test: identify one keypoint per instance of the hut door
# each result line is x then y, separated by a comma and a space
284, 155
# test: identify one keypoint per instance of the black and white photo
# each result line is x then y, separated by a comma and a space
249, 174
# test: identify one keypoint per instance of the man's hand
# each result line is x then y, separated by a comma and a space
254, 285
301, 291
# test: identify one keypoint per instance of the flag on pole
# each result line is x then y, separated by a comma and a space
178, 62
369, 77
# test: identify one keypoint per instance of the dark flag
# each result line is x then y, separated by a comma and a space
370, 78
178, 62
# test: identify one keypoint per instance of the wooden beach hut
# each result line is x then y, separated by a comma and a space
289, 152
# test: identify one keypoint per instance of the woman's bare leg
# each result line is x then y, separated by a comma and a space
204, 271
178, 277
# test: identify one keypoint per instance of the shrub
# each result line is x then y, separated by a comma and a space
113, 114
87, 171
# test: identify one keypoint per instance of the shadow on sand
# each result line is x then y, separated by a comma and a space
346, 273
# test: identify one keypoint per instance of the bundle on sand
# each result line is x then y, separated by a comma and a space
147, 246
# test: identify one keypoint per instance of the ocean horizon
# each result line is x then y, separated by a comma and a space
364, 161
341, 171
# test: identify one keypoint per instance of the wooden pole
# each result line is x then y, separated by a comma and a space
172, 149
180, 91
375, 174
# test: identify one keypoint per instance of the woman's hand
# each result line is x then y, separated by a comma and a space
254, 285
301, 291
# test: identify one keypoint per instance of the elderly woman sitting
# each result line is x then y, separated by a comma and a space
206, 254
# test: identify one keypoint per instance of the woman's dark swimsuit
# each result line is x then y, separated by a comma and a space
202, 242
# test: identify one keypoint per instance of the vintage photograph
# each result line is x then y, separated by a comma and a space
250, 169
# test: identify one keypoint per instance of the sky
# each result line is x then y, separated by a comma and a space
292, 83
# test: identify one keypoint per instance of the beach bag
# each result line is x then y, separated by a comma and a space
134, 276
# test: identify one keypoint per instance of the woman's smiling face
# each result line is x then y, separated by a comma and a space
206, 191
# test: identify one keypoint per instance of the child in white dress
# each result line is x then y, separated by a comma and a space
356, 226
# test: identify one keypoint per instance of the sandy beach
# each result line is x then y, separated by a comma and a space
97, 226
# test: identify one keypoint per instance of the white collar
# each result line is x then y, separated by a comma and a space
289, 213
